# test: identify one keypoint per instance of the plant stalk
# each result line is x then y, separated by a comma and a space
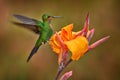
61, 69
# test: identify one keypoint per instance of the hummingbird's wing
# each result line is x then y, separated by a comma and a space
33, 28
26, 20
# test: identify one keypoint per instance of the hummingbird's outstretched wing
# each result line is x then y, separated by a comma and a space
26, 20
33, 28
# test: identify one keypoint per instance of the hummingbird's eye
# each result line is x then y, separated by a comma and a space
48, 16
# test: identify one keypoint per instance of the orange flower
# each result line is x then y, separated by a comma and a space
77, 45
76, 42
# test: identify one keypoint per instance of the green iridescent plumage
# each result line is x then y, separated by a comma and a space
42, 28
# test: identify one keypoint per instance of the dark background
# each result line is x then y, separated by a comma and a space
102, 63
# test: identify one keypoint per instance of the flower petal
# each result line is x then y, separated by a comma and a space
66, 33
86, 25
60, 57
84, 31
66, 75
77, 46
97, 43
90, 34
55, 44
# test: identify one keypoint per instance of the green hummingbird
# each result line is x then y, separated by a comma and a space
43, 29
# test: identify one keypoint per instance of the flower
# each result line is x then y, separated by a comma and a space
76, 42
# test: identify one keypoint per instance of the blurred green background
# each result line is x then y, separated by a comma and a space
102, 63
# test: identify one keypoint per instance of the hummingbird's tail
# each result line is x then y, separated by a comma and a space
34, 50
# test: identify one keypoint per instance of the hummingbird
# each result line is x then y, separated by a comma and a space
42, 28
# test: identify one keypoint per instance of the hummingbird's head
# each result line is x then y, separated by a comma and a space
48, 18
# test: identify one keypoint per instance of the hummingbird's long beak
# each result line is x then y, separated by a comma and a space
56, 16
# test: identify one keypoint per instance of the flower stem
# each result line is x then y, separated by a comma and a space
61, 69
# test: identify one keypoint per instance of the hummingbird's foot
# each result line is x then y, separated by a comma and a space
48, 41
43, 43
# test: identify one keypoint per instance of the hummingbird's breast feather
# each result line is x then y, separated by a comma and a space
46, 34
